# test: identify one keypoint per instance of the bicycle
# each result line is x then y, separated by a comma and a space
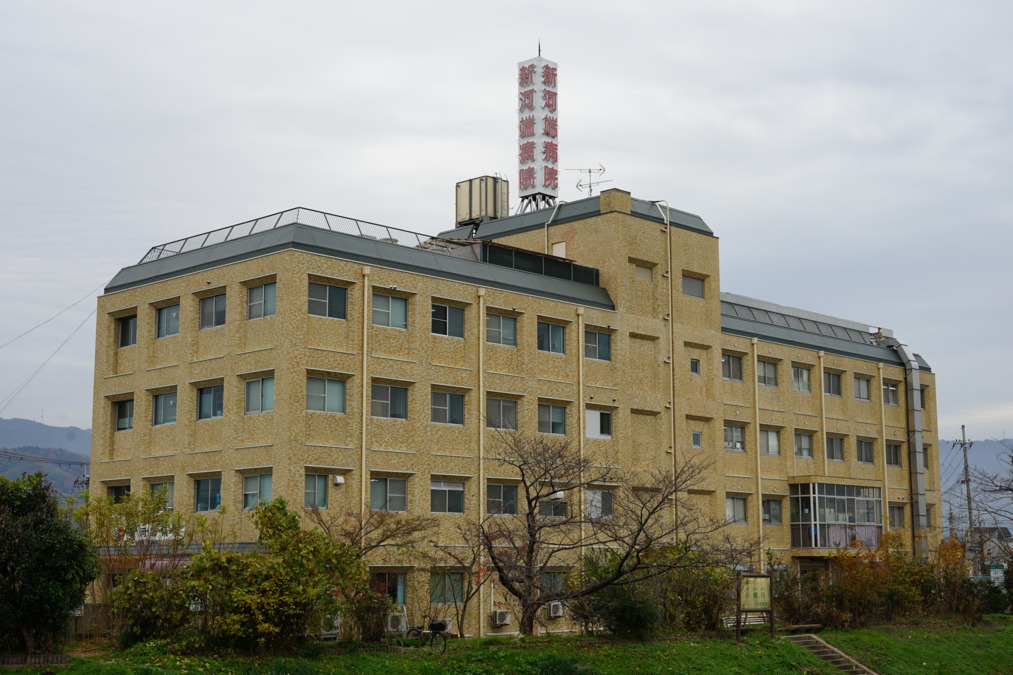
434, 637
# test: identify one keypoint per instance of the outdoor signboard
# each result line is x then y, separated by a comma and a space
997, 574
538, 128
755, 594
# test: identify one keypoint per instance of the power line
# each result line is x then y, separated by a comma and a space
88, 295
5, 454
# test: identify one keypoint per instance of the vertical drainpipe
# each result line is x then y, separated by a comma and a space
753, 342
581, 418
666, 214
882, 453
823, 417
367, 298
916, 468
481, 446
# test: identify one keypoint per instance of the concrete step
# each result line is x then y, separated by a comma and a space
828, 654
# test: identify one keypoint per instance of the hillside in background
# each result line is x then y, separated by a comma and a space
21, 440
17, 433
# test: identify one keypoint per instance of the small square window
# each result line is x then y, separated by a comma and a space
390, 401
212, 311
893, 454
207, 494
697, 439
551, 338
890, 394
128, 330
643, 273
597, 345
389, 310
163, 408
325, 394
735, 510
165, 490
501, 330
260, 300
260, 395
551, 419
835, 448
863, 388
766, 373
501, 499
599, 504
896, 516
731, 367
552, 508
447, 408
167, 321
692, 286
832, 384
210, 402
694, 366
124, 415
328, 301
598, 423
863, 451
446, 497
770, 442
388, 494
800, 378
448, 321
316, 491
446, 588
119, 493
772, 512
803, 445
256, 489
735, 438
501, 413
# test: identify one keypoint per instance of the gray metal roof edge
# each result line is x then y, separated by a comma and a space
310, 239
800, 313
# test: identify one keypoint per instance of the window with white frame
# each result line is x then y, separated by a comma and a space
735, 438
128, 330
390, 401
766, 373
599, 504
800, 378
163, 408
447, 408
261, 300
316, 491
896, 516
260, 395
500, 329
731, 367
735, 509
551, 338
210, 402
863, 388
328, 301
803, 444
891, 394
863, 451
551, 419
835, 448
770, 441
598, 423
832, 384
390, 310
446, 496
165, 490
772, 511
697, 439
501, 413
692, 286
446, 588
124, 414
256, 489
212, 311
167, 321
893, 454
207, 494
325, 394
597, 345
501, 499
448, 321
388, 494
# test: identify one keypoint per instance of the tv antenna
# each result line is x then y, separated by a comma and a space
591, 175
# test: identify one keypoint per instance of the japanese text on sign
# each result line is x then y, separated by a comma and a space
538, 128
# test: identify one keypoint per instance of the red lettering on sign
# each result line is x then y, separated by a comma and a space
550, 151
550, 177
548, 76
527, 152
527, 126
549, 99
549, 127
527, 99
527, 75
527, 177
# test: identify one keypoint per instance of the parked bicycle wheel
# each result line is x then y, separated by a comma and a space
415, 636
438, 643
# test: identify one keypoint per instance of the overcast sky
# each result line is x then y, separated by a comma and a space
855, 158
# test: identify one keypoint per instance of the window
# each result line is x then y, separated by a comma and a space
167, 321
128, 330
207, 494
210, 402
770, 441
552, 508
551, 338
390, 401
735, 509
890, 396
800, 378
446, 588
599, 504
597, 345
501, 330
896, 516
863, 388
694, 366
163, 408
389, 310
325, 394
448, 321
501, 499
551, 419
893, 454
697, 439
832, 384
835, 448
501, 413
119, 493
766, 373
260, 300
923, 397
260, 395
391, 584
388, 494
553, 582
446, 497
316, 491
212, 311
925, 457
447, 408
124, 415
165, 490
735, 438
643, 273
692, 286
863, 450
731, 367
330, 301
256, 489
803, 445
772, 512
599, 424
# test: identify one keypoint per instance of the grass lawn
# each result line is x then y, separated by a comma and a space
964, 649
758, 654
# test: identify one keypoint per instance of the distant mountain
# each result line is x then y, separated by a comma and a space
21, 440
16, 433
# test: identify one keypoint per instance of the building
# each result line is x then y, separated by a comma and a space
340, 363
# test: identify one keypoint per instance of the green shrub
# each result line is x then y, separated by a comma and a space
620, 609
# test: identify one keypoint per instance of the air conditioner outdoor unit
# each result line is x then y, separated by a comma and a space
557, 495
397, 623
337, 480
554, 610
501, 617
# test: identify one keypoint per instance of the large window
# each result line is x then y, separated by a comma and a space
772, 512
766, 373
735, 438
501, 413
447, 408
390, 401
692, 286
210, 402
831, 516
800, 378
388, 494
207, 494
731, 367
835, 448
260, 300
551, 338
770, 441
389, 310
167, 321
551, 419
446, 588
260, 395
128, 330
501, 330
599, 504
803, 444
325, 394
863, 451
446, 496
893, 454
316, 491
329, 301
501, 499
448, 320
863, 388
163, 408
832, 384
735, 510
599, 424
212, 311
890, 393
124, 415
597, 345
256, 489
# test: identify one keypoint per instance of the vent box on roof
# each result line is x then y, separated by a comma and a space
483, 197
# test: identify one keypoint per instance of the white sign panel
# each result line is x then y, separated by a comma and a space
538, 128
998, 575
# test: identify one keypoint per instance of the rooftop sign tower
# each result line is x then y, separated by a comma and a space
538, 133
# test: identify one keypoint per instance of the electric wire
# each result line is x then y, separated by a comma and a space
88, 295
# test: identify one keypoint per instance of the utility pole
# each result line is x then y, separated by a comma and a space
965, 445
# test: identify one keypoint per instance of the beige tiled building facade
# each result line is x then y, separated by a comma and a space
342, 364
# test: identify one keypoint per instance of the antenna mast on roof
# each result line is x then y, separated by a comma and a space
538, 131
590, 182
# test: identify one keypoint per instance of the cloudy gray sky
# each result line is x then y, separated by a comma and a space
854, 157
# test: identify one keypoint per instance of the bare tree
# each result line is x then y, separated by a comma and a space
463, 556
994, 506
632, 514
378, 528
